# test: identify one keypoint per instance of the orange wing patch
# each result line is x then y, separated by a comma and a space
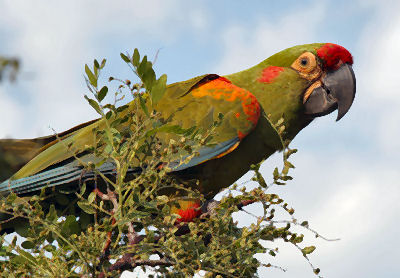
222, 88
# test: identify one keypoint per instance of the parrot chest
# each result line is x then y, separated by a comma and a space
219, 173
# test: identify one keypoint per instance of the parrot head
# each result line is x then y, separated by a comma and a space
302, 82
320, 74
333, 83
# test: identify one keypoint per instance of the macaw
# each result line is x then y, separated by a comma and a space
297, 85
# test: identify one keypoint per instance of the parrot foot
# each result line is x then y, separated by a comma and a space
208, 208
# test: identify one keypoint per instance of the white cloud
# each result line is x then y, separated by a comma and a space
245, 47
10, 113
380, 56
347, 198
55, 40
378, 74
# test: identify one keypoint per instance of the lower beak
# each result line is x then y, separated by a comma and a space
337, 91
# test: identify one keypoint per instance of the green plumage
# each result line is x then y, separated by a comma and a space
280, 98
245, 137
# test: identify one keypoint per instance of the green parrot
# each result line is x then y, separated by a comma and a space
297, 84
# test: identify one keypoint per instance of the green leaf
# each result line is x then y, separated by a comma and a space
92, 78
279, 122
103, 63
24, 258
308, 250
304, 223
286, 178
96, 71
102, 93
96, 64
92, 197
142, 67
175, 129
84, 219
298, 239
136, 57
108, 115
289, 165
14, 241
86, 207
125, 58
149, 76
261, 179
122, 108
135, 197
22, 229
289, 152
143, 105
158, 89
70, 225
4, 252
162, 198
27, 244
94, 104
11, 198
52, 214
276, 173
62, 199
49, 248
83, 189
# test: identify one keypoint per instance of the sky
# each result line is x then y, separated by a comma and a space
346, 181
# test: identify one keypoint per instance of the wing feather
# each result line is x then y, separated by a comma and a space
197, 102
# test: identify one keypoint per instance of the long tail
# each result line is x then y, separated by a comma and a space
53, 177
68, 173
16, 153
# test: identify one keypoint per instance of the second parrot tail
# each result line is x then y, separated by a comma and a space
16, 153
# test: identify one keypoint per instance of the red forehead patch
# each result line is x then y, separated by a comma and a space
269, 74
333, 54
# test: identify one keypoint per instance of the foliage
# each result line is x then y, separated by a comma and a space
128, 223
10, 67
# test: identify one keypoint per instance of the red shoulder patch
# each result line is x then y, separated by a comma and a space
269, 74
221, 78
334, 55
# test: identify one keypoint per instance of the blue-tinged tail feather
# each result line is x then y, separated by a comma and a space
53, 177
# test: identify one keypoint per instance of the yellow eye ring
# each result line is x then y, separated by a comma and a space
305, 63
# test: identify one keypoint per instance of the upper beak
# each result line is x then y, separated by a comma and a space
337, 91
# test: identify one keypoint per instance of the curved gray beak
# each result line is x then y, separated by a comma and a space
337, 92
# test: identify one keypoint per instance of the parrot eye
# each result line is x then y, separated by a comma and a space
304, 62
307, 66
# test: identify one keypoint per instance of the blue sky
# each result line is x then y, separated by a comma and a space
347, 175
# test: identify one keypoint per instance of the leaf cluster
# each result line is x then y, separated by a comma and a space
10, 67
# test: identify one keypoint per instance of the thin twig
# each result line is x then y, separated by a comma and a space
156, 56
127, 263
110, 196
